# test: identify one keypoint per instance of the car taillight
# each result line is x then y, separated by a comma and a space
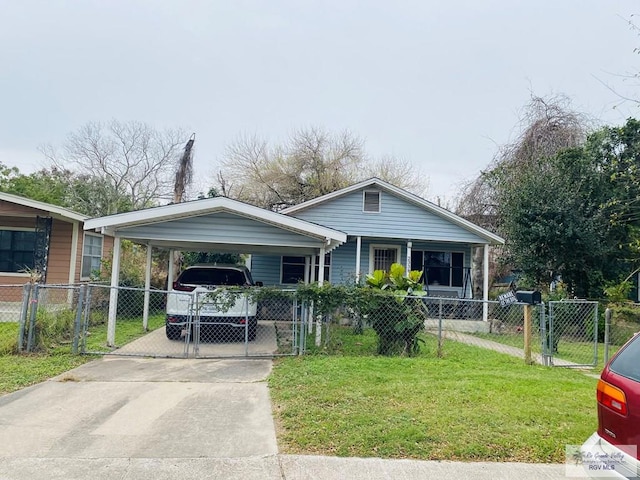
612, 397
183, 288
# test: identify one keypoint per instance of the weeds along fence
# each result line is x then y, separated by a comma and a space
75, 318
562, 333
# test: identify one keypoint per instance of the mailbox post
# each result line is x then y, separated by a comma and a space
529, 298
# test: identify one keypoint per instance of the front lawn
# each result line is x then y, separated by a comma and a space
472, 404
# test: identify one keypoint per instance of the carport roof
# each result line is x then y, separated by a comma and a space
160, 218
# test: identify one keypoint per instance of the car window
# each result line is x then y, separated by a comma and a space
627, 363
213, 276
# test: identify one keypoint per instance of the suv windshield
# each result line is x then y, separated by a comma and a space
626, 363
213, 276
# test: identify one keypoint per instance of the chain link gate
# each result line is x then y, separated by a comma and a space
188, 325
569, 333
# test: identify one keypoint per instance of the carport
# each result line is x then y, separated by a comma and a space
217, 224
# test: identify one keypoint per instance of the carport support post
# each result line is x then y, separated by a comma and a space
527, 334
320, 284
485, 284
113, 297
147, 287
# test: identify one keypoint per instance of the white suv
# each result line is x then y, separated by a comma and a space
183, 308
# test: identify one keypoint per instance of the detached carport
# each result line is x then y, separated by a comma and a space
215, 224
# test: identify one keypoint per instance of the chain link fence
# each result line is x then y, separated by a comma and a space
196, 324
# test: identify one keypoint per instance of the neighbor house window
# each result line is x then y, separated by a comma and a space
293, 269
371, 201
440, 268
91, 255
17, 248
383, 256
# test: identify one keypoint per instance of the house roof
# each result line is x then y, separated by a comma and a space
403, 194
61, 212
113, 224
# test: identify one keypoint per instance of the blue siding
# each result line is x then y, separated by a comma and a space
397, 219
266, 269
220, 228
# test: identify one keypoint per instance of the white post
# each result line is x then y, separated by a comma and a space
113, 297
312, 278
170, 272
409, 245
147, 287
320, 283
307, 269
485, 284
358, 253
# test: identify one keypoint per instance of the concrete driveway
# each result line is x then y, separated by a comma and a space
95, 420
156, 419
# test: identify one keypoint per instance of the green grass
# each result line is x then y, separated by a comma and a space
573, 351
8, 337
471, 404
127, 330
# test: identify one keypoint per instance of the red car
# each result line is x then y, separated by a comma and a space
612, 451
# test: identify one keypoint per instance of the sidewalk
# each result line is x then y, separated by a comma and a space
271, 467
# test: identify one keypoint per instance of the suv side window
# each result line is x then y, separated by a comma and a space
627, 363
213, 276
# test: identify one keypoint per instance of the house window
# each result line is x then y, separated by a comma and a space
293, 269
17, 248
371, 201
91, 255
440, 268
382, 256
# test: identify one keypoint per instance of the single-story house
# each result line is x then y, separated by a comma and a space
47, 239
384, 224
337, 237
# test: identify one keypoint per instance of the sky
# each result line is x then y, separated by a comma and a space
440, 83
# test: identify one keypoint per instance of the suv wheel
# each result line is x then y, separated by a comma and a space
174, 332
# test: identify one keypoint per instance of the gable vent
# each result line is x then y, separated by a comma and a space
371, 202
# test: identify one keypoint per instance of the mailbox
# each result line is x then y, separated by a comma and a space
532, 297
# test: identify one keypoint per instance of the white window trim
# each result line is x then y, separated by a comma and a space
464, 259
17, 274
364, 193
87, 234
373, 247
311, 264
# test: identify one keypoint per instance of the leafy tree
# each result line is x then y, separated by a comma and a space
82, 193
555, 223
311, 163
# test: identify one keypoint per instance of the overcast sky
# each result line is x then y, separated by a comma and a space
440, 83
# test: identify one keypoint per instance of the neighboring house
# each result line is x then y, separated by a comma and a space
39, 237
384, 224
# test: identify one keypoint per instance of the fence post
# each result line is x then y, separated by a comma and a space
78, 320
607, 326
440, 328
544, 336
32, 317
26, 295
527, 334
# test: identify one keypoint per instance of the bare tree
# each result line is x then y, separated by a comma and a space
134, 160
312, 162
547, 126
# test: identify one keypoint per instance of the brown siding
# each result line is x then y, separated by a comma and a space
59, 252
